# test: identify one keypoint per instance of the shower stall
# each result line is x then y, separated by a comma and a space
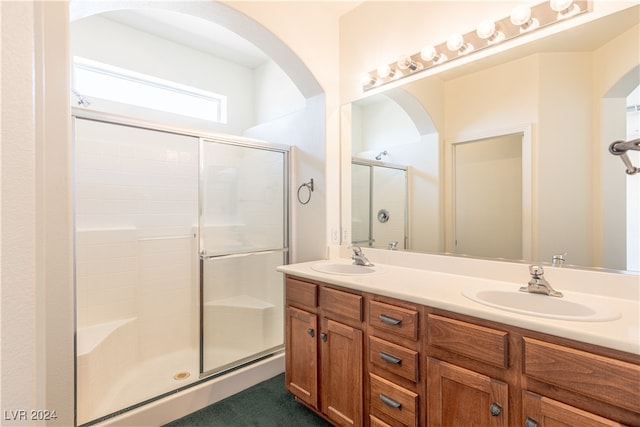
177, 236
379, 204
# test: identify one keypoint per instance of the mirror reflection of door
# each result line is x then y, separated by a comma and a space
488, 197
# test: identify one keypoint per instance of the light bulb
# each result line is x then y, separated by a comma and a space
429, 53
565, 8
487, 30
385, 71
521, 16
455, 42
367, 80
406, 63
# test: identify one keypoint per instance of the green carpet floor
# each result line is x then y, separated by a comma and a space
267, 404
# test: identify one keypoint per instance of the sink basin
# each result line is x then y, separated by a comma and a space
344, 269
578, 307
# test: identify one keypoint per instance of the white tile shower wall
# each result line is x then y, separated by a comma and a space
136, 213
167, 294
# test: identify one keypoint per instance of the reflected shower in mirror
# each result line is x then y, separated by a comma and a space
573, 92
379, 204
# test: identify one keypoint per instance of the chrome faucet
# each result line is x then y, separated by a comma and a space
538, 284
393, 246
558, 260
359, 258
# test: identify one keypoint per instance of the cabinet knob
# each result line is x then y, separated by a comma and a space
311, 332
495, 409
323, 336
530, 422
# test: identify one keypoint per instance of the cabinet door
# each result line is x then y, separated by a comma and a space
301, 355
541, 411
460, 397
342, 359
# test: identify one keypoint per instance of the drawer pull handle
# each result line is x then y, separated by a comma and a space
390, 402
311, 332
323, 336
390, 358
495, 409
389, 320
530, 422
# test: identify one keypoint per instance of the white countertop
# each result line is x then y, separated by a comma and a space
444, 291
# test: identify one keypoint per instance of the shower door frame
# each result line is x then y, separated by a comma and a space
374, 163
203, 257
115, 119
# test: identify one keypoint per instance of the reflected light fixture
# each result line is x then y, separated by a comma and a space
429, 53
406, 63
456, 43
565, 8
486, 30
521, 17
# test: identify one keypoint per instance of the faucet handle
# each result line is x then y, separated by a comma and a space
356, 250
536, 271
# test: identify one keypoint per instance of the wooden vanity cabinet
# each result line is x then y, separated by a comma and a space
324, 350
390, 363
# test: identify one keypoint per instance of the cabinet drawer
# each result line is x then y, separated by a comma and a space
343, 304
394, 358
301, 294
391, 399
606, 379
476, 342
390, 318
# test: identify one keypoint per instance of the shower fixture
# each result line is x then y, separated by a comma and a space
383, 153
82, 100
620, 148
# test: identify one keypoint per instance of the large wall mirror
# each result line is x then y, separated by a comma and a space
519, 138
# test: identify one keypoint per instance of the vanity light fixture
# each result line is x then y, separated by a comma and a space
406, 63
486, 30
522, 20
565, 8
429, 53
456, 43
521, 17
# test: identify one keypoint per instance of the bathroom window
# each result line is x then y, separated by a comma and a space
93, 79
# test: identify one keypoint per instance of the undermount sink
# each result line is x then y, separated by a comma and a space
344, 269
577, 307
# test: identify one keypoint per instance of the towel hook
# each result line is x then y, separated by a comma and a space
309, 187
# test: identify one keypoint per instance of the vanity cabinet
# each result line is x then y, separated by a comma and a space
366, 360
324, 350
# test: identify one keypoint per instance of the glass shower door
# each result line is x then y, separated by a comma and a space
243, 238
